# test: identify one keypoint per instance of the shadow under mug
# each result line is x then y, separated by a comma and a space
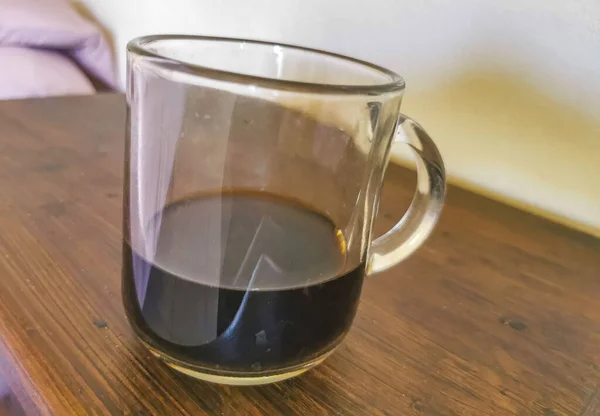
252, 179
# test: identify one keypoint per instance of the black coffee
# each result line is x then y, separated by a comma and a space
241, 281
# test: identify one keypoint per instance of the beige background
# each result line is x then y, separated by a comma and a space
510, 89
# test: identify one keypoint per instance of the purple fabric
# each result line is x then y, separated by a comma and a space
41, 44
28, 73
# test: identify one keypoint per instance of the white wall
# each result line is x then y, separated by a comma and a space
510, 89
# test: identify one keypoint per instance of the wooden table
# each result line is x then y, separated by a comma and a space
498, 314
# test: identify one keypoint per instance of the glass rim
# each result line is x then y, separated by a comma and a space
396, 82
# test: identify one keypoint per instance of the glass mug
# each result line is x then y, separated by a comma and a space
252, 179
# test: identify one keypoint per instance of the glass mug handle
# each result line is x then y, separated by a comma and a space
422, 215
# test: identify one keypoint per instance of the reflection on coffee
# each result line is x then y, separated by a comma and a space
241, 281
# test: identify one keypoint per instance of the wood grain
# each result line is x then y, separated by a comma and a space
496, 315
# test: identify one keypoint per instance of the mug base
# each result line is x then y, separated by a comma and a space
237, 379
